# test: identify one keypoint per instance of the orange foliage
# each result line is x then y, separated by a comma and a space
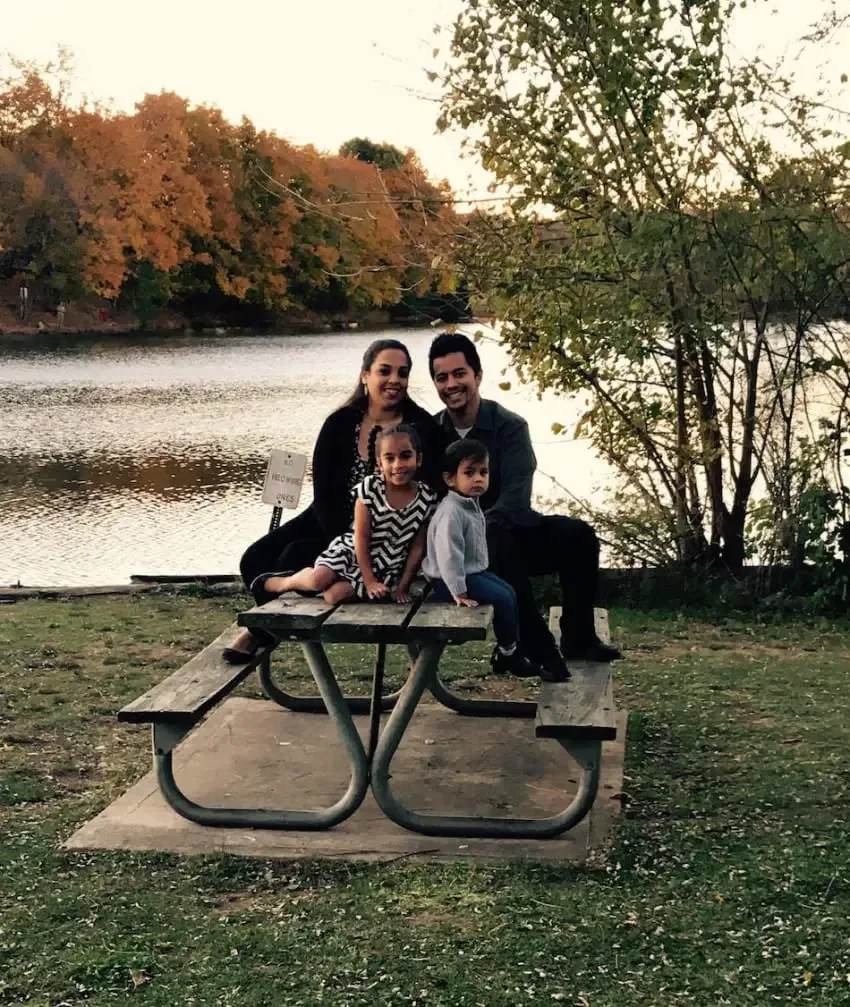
213, 204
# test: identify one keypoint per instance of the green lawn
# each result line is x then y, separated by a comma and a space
728, 881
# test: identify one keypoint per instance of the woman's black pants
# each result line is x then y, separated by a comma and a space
292, 546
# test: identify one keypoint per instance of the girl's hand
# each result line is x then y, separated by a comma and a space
377, 589
466, 602
402, 594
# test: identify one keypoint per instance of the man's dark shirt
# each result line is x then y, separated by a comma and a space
507, 501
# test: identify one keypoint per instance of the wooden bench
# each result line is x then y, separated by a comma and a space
191, 691
584, 706
578, 714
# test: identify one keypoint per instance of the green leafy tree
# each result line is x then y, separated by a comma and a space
147, 290
383, 155
675, 247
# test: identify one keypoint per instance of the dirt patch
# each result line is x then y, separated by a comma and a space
237, 902
433, 919
267, 903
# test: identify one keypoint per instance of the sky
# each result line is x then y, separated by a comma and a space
314, 71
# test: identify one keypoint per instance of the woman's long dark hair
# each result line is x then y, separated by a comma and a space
359, 397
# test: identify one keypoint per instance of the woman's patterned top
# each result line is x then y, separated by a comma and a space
360, 467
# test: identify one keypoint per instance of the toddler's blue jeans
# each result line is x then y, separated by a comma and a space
488, 589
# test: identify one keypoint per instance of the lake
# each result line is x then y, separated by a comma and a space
137, 454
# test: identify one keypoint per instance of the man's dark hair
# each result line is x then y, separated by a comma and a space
461, 451
454, 342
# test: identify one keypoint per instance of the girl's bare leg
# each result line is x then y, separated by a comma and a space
311, 578
340, 591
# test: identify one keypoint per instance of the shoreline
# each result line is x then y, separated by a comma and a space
641, 587
285, 328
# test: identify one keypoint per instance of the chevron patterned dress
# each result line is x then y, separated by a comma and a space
391, 536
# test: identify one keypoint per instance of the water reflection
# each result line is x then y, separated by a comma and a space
83, 478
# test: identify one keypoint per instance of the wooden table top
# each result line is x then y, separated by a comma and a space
294, 617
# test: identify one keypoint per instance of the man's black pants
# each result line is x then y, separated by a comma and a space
559, 545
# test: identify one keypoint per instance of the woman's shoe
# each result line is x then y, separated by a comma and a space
239, 655
234, 656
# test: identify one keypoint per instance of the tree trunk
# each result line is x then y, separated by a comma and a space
733, 552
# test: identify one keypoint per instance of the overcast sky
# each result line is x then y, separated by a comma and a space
315, 71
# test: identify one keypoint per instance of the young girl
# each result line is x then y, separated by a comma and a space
379, 557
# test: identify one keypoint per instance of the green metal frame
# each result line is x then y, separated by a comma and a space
315, 704
422, 677
372, 768
166, 736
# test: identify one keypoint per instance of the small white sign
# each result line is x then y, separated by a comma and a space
284, 477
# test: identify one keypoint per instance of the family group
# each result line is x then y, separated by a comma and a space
398, 491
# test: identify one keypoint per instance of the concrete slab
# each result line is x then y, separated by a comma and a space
251, 753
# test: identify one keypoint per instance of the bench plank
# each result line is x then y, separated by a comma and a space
584, 706
369, 623
442, 621
187, 694
288, 615
580, 708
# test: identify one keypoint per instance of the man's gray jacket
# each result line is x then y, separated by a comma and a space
507, 502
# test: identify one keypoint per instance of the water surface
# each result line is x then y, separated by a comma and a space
146, 454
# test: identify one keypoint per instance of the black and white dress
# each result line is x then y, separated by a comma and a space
391, 535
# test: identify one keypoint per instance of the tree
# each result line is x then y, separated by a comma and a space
692, 255
384, 155
176, 203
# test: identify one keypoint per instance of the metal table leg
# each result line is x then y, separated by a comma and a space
474, 707
480, 707
315, 704
588, 754
166, 736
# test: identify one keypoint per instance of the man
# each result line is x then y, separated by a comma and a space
521, 542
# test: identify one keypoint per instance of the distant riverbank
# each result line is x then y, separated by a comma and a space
96, 316
83, 323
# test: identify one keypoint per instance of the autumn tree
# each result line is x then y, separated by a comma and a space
38, 216
675, 248
174, 204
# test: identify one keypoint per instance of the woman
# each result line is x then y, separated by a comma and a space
342, 458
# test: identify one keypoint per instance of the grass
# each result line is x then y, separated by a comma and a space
728, 880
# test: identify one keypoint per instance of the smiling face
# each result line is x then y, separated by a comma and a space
471, 479
397, 459
456, 383
387, 378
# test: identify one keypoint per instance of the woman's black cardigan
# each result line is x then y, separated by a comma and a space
332, 459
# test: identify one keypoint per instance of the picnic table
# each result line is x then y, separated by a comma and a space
578, 714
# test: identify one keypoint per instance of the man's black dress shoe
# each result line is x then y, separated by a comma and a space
596, 651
